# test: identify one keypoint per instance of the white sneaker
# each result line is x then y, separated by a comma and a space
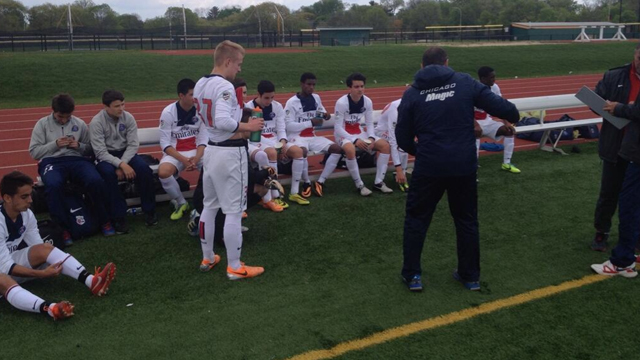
382, 188
364, 191
609, 269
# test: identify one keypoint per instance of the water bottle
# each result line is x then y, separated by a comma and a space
134, 211
256, 135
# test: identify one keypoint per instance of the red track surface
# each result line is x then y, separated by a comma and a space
17, 124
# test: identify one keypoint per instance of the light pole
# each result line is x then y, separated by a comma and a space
281, 22
460, 23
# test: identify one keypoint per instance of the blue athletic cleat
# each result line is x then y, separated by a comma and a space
470, 285
415, 284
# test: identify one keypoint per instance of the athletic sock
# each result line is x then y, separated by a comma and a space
329, 166
207, 232
381, 167
274, 193
233, 239
22, 299
404, 160
296, 174
70, 266
261, 158
305, 171
509, 145
172, 188
352, 165
477, 147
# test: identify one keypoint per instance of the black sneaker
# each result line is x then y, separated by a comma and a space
120, 226
151, 219
600, 242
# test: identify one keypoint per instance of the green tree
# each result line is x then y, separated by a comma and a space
213, 13
130, 22
177, 21
547, 14
13, 15
47, 16
417, 14
228, 11
105, 18
156, 23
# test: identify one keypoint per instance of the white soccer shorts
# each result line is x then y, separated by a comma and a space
351, 139
177, 163
225, 178
490, 129
21, 257
315, 144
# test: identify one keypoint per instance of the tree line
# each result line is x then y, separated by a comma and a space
381, 15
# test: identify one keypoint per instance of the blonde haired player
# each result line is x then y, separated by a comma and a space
386, 129
225, 162
183, 139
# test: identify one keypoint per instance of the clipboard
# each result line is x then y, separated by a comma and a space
596, 103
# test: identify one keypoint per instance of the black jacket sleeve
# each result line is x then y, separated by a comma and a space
495, 105
631, 112
405, 130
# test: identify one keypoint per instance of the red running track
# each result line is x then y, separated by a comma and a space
17, 124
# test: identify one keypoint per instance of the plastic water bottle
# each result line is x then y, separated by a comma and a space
134, 211
256, 135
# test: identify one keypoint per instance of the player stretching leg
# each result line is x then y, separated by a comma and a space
225, 162
350, 110
24, 256
303, 111
183, 139
493, 129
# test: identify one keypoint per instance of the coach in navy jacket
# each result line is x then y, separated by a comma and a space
438, 110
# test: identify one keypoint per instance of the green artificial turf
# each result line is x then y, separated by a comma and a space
332, 275
31, 79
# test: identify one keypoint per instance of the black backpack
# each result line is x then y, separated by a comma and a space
80, 215
51, 233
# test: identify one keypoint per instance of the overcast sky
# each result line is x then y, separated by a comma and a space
152, 8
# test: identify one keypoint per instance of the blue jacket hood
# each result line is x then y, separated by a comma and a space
432, 76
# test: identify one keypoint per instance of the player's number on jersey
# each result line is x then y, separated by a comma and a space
208, 119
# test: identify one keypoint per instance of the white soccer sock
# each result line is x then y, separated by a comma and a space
70, 266
352, 165
170, 185
233, 239
274, 165
329, 166
22, 299
404, 160
509, 145
296, 174
207, 232
305, 171
381, 167
261, 158
477, 147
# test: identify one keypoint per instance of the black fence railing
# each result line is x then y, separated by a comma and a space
59, 41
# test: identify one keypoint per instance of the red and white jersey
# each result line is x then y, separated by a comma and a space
480, 114
273, 115
349, 114
298, 112
217, 106
15, 236
180, 129
386, 128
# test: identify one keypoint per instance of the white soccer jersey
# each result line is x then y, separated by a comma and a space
386, 128
16, 236
180, 129
273, 115
349, 114
480, 114
218, 107
298, 114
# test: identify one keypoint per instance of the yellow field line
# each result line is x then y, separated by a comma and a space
432, 323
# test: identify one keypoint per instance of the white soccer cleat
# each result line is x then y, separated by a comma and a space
608, 269
382, 188
364, 191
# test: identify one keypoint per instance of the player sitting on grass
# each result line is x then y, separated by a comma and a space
182, 139
24, 256
273, 139
303, 112
350, 110
493, 129
386, 129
